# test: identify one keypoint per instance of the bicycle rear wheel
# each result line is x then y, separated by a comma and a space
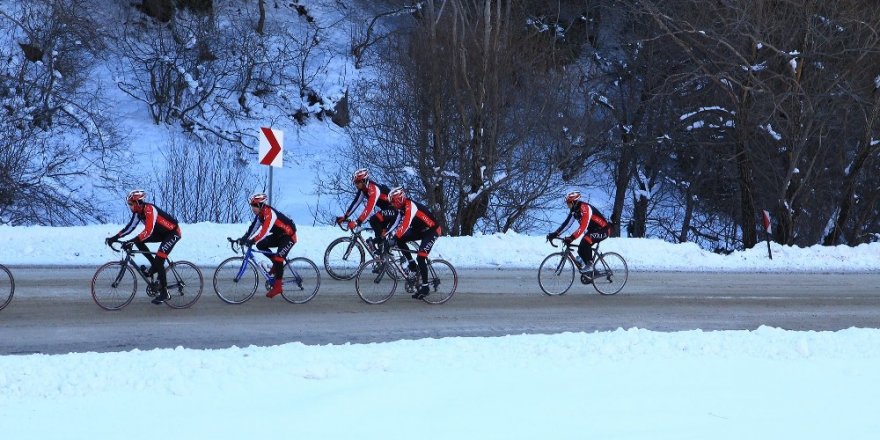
7, 287
233, 283
185, 284
610, 273
343, 258
442, 282
556, 274
374, 283
301, 280
113, 286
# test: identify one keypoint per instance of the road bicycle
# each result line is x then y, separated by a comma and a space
557, 271
7, 287
345, 255
236, 278
115, 283
376, 280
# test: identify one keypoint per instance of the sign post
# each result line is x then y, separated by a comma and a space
271, 151
768, 232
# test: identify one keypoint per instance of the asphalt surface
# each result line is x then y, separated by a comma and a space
52, 311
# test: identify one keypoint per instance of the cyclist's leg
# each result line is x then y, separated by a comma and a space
285, 244
376, 222
141, 245
389, 216
165, 248
585, 250
428, 239
409, 236
271, 241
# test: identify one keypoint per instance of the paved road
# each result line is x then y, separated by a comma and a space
52, 311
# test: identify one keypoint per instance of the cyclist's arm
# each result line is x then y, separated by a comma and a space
372, 197
405, 219
586, 215
263, 231
150, 217
252, 228
565, 224
132, 223
357, 199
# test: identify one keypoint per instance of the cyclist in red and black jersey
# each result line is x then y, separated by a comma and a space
414, 222
592, 225
377, 207
270, 228
159, 227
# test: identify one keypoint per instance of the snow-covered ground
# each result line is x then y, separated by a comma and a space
205, 244
626, 384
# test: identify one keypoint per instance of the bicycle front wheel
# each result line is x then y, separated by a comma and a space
610, 273
113, 286
235, 280
556, 274
374, 283
185, 284
343, 258
301, 280
442, 282
7, 287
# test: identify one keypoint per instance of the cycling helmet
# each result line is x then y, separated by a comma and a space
361, 175
397, 196
572, 196
137, 195
258, 199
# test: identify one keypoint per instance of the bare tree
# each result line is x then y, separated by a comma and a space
55, 134
201, 182
461, 115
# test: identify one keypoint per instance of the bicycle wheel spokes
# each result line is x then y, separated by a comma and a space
185, 284
343, 258
7, 287
233, 283
113, 286
373, 282
301, 280
442, 282
556, 274
610, 273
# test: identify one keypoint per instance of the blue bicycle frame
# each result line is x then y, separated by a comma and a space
249, 257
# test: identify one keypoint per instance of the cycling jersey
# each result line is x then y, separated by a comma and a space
270, 221
588, 217
413, 217
156, 222
373, 195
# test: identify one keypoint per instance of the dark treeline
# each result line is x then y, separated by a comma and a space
694, 115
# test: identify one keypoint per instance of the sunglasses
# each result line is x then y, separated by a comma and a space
132, 203
255, 205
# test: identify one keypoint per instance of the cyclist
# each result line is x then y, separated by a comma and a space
592, 225
374, 195
270, 228
159, 227
413, 222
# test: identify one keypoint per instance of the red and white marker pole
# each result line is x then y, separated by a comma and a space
271, 152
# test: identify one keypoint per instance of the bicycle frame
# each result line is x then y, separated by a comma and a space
569, 250
412, 278
248, 254
127, 260
357, 237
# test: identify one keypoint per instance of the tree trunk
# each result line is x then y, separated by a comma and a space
622, 176
746, 198
262, 20
688, 216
